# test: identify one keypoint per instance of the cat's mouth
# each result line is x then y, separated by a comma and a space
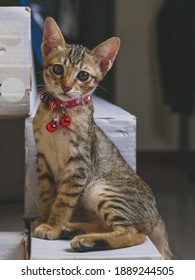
66, 96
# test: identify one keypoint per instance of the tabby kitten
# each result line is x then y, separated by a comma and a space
89, 193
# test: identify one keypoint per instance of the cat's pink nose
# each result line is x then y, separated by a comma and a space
66, 89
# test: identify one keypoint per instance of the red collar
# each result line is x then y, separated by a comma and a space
55, 104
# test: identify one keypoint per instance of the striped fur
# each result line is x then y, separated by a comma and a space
88, 192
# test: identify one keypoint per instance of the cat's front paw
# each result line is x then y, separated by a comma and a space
46, 231
36, 223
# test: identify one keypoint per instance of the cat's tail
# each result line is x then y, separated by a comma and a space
160, 239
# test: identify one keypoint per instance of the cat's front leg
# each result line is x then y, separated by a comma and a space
46, 189
61, 213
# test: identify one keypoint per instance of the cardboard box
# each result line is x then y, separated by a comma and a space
15, 99
61, 250
15, 61
12, 246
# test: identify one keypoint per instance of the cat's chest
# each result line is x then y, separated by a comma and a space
56, 146
66, 143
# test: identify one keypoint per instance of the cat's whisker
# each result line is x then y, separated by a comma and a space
43, 84
38, 72
105, 90
40, 89
47, 94
40, 86
78, 92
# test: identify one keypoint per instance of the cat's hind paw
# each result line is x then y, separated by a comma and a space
45, 231
84, 243
69, 233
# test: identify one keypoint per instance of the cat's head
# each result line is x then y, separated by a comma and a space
73, 71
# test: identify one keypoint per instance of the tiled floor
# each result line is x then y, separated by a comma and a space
175, 195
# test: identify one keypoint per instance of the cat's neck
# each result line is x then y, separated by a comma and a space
63, 114
55, 104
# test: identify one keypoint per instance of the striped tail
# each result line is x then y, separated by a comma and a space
160, 239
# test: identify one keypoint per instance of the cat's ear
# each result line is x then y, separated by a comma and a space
105, 53
52, 37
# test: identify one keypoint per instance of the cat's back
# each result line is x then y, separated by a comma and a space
109, 161
111, 165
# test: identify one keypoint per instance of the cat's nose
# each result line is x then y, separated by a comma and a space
66, 89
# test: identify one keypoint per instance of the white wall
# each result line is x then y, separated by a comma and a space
138, 87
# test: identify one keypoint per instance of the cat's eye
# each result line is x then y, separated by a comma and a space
83, 76
58, 69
